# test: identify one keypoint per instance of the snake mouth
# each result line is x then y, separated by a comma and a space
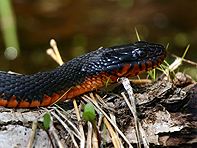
134, 61
136, 68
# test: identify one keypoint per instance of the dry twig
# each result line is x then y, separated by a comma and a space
82, 138
108, 118
33, 132
132, 107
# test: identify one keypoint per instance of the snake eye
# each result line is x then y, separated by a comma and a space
141, 53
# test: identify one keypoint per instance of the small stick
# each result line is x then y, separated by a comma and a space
114, 135
33, 132
53, 131
99, 113
94, 140
71, 133
82, 144
77, 134
175, 64
113, 117
115, 139
51, 53
11, 72
141, 81
133, 110
54, 46
115, 126
89, 136
54, 53
185, 60
132, 107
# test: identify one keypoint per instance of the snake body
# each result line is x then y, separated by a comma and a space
79, 75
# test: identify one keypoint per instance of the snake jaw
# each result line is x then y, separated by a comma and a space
133, 59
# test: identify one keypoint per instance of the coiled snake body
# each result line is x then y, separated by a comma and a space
82, 74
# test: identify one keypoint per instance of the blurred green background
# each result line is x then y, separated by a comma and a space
85, 25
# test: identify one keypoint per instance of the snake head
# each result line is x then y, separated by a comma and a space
132, 59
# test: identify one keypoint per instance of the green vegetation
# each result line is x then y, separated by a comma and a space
8, 27
89, 115
46, 122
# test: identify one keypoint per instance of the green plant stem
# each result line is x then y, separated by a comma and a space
47, 131
107, 84
137, 34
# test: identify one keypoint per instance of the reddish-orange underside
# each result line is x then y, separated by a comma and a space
89, 84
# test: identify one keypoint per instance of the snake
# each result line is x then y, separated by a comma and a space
83, 74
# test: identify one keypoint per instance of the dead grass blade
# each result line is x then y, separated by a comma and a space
33, 132
82, 138
53, 131
132, 107
71, 133
108, 118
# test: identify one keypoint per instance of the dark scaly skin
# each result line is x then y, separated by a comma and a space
82, 74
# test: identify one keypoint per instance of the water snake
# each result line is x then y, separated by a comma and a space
82, 74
